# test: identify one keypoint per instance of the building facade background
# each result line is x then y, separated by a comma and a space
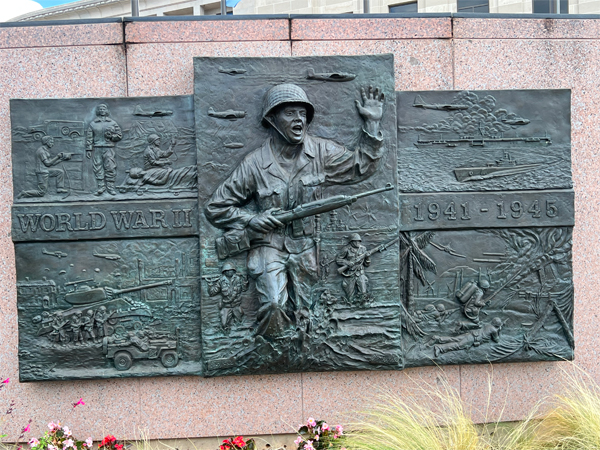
96, 9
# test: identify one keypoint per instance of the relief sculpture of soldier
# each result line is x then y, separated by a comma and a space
290, 169
231, 286
102, 134
46, 168
355, 258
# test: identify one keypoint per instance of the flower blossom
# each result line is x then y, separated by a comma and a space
339, 429
325, 427
26, 429
309, 446
298, 440
89, 442
317, 438
67, 432
239, 441
119, 446
311, 422
52, 447
68, 443
6, 381
34, 442
78, 402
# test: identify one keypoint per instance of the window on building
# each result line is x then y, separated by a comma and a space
550, 6
410, 7
473, 6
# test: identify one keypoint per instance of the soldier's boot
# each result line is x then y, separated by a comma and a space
110, 187
101, 187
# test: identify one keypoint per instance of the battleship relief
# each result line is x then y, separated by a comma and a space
295, 214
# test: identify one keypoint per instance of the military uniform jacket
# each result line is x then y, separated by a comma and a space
259, 183
96, 133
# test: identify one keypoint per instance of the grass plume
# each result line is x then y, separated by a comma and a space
573, 423
436, 418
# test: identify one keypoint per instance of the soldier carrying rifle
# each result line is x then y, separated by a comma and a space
288, 170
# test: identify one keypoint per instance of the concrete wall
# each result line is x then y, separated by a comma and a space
151, 58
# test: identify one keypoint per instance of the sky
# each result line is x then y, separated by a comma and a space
13, 8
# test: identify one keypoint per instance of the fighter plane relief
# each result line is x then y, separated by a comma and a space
295, 214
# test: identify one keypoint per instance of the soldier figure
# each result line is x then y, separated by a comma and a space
58, 333
354, 257
44, 169
471, 296
230, 285
102, 134
465, 341
76, 324
100, 319
88, 324
288, 170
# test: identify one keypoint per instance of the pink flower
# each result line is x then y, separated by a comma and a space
26, 429
339, 429
317, 438
335, 436
89, 442
311, 422
68, 443
6, 381
325, 427
298, 440
52, 426
51, 447
78, 402
34, 442
66, 431
309, 446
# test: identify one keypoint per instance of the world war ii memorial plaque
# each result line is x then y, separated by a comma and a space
105, 224
295, 214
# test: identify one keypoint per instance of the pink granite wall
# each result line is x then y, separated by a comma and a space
430, 53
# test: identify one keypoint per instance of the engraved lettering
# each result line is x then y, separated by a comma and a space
176, 220
187, 223
158, 215
517, 209
419, 216
140, 221
465, 211
122, 219
63, 222
78, 223
450, 211
29, 221
535, 210
501, 213
47, 222
434, 211
98, 220
551, 209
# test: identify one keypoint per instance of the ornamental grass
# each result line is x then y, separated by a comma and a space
433, 418
573, 423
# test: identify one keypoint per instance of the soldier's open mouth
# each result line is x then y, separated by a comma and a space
297, 129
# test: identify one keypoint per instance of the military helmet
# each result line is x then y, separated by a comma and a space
354, 237
484, 284
286, 93
228, 266
153, 138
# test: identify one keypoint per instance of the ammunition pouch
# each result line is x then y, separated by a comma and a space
232, 243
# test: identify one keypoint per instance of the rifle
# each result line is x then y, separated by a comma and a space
235, 242
379, 248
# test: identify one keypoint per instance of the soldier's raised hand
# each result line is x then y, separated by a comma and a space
371, 108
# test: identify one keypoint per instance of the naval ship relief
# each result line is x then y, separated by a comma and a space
295, 214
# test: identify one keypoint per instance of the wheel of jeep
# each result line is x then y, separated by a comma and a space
169, 359
123, 360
